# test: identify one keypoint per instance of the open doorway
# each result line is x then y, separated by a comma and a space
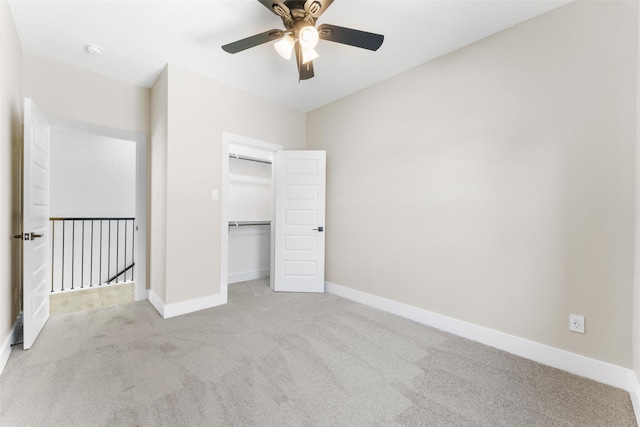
98, 215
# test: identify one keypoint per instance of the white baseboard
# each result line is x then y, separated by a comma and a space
249, 275
634, 393
5, 351
156, 302
603, 372
183, 307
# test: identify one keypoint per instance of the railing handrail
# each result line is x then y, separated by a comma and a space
121, 273
91, 218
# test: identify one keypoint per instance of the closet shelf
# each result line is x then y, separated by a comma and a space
247, 223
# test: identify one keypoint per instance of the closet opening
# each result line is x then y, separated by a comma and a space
250, 216
247, 209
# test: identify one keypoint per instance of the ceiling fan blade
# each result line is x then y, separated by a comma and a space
305, 71
249, 42
350, 36
316, 7
278, 7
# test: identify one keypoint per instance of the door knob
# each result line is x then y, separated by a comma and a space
319, 229
28, 236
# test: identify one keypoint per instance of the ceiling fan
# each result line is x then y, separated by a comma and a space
300, 34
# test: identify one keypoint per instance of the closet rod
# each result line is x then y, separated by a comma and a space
244, 223
251, 159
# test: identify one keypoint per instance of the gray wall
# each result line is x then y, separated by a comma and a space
496, 184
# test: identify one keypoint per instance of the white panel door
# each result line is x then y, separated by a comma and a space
36, 266
299, 221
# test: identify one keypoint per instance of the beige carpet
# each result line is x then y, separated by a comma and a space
90, 298
277, 359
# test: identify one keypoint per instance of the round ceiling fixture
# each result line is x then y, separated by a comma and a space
93, 49
309, 37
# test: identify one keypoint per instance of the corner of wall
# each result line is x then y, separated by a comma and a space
157, 303
635, 330
185, 307
157, 212
634, 393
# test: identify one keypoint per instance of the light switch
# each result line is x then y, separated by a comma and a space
214, 194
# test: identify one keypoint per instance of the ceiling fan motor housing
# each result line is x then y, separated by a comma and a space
299, 16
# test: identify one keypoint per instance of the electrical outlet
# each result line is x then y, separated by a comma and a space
576, 323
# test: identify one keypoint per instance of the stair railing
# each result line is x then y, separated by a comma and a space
88, 252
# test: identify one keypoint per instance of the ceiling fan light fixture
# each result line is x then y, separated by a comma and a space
284, 47
300, 33
308, 37
309, 55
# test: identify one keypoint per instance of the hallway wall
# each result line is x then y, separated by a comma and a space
92, 175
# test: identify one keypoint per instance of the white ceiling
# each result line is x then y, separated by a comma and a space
140, 37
